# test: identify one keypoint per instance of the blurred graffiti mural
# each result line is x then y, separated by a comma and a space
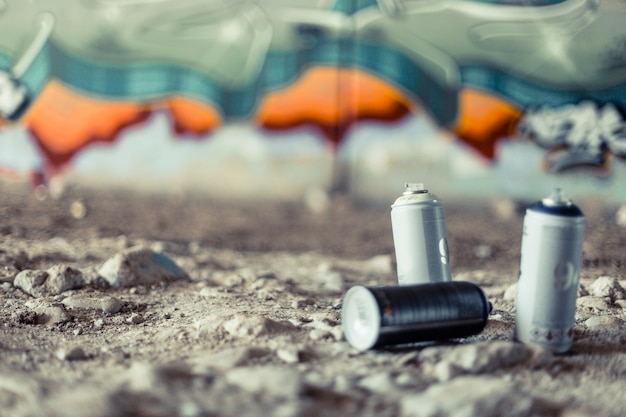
475, 97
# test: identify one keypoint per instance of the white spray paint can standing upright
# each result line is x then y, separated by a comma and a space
552, 244
419, 236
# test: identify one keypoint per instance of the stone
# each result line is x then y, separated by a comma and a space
604, 322
56, 280
607, 287
277, 382
378, 383
140, 266
511, 292
48, 313
74, 354
30, 281
593, 304
474, 396
8, 273
227, 359
330, 280
241, 325
475, 358
110, 305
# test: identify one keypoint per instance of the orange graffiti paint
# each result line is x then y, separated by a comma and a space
333, 99
64, 122
483, 120
192, 117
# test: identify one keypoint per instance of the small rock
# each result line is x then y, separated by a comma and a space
270, 381
378, 383
30, 281
8, 273
476, 358
140, 266
227, 359
48, 313
58, 279
621, 303
593, 304
74, 354
288, 355
331, 281
110, 305
607, 287
81, 302
98, 324
135, 319
473, 396
241, 325
604, 322
511, 292
444, 371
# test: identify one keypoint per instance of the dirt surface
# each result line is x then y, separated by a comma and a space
247, 320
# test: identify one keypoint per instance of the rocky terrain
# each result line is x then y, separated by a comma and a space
121, 304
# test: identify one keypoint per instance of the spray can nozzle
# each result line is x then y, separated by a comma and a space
414, 188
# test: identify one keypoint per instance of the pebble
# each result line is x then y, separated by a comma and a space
57, 279
276, 382
330, 280
593, 304
607, 287
472, 396
241, 325
140, 266
511, 292
604, 322
379, 383
110, 305
478, 358
135, 319
8, 273
98, 324
227, 359
47, 312
74, 354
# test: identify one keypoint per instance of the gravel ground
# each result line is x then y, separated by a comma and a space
121, 304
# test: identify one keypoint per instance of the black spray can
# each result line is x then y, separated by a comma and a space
394, 315
552, 245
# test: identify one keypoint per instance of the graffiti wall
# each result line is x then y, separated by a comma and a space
282, 98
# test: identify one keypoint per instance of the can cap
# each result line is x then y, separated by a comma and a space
414, 188
558, 204
360, 317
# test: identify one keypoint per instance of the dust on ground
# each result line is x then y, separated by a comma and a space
247, 321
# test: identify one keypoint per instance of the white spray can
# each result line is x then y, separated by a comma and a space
550, 262
419, 236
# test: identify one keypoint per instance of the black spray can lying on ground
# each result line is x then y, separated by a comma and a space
394, 315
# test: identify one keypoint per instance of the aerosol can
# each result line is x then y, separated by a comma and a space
419, 236
550, 262
399, 314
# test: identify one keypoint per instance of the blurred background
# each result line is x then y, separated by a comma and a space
302, 100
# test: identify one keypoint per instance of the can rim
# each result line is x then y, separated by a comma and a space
360, 317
